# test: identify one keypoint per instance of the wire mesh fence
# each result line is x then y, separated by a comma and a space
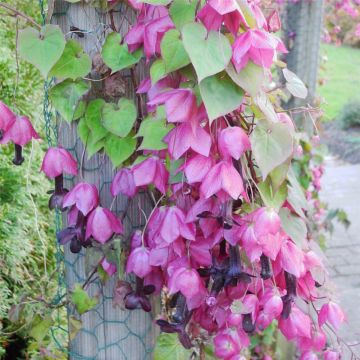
106, 332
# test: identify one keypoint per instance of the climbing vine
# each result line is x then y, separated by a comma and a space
227, 242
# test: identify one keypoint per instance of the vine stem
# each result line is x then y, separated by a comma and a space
21, 14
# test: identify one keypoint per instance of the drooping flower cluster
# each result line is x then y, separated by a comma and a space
216, 244
15, 129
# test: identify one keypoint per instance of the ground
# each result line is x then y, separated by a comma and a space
341, 189
341, 73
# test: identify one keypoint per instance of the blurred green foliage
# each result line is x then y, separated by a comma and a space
27, 245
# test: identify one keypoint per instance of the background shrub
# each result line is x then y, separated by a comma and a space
350, 115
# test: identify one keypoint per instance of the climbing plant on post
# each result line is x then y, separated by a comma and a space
203, 156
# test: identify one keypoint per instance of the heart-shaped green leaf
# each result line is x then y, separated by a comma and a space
73, 63
173, 52
272, 145
82, 301
119, 149
157, 71
119, 119
271, 197
66, 97
220, 95
117, 56
40, 327
168, 346
251, 78
183, 12
210, 52
153, 132
93, 119
42, 49
294, 226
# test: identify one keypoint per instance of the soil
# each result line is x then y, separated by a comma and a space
343, 143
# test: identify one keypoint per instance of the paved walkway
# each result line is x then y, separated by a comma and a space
341, 189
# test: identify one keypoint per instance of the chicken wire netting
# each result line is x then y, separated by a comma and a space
106, 332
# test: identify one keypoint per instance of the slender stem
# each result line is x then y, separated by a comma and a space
19, 13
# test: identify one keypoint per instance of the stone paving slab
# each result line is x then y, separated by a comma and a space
341, 189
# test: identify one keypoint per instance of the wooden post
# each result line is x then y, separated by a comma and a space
302, 31
107, 333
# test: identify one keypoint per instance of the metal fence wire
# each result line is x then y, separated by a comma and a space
106, 332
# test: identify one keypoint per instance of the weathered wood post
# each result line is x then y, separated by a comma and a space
302, 26
107, 333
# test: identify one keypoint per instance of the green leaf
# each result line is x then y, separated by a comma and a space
251, 78
168, 347
73, 63
173, 51
42, 49
153, 132
66, 96
220, 95
119, 119
295, 86
157, 71
294, 226
296, 196
210, 52
93, 120
182, 12
40, 327
83, 130
270, 196
119, 149
82, 301
92, 146
279, 174
117, 56
75, 326
272, 145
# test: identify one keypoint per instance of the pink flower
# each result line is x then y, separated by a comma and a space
291, 258
197, 167
308, 355
233, 142
102, 224
123, 183
139, 262
108, 267
331, 355
180, 104
20, 132
224, 6
189, 283
85, 197
183, 137
332, 313
226, 345
255, 45
151, 171
168, 223
210, 18
297, 324
222, 178
58, 161
7, 118
274, 22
